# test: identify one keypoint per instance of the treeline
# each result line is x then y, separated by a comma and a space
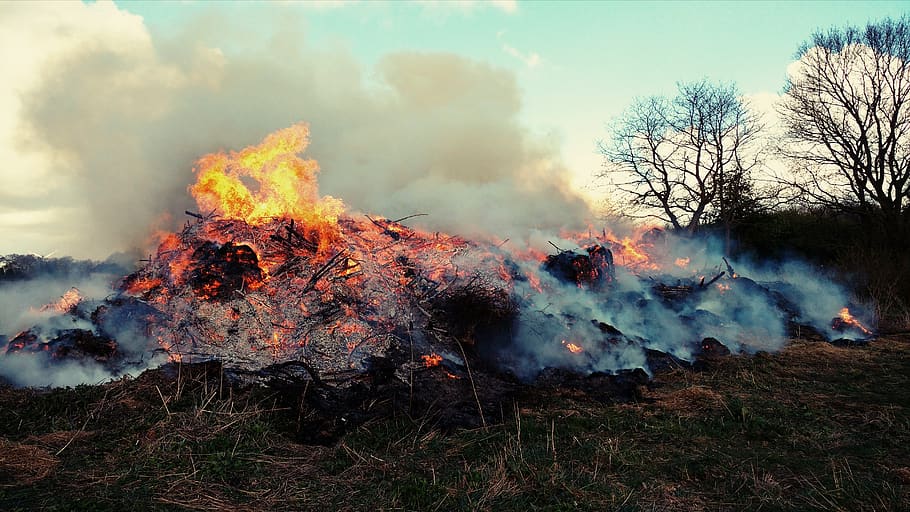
21, 267
829, 182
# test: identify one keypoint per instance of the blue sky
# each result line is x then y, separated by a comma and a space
590, 59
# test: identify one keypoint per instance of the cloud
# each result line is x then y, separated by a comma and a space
321, 5
33, 34
509, 6
116, 121
441, 7
531, 60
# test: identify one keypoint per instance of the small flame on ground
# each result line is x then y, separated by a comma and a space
572, 347
845, 319
431, 360
682, 262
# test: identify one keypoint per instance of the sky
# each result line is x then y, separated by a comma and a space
485, 112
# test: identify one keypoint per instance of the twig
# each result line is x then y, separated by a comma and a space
715, 278
163, 401
556, 246
82, 429
729, 268
323, 270
396, 221
464, 357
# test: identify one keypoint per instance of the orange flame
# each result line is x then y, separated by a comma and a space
66, 302
572, 347
286, 185
431, 360
844, 318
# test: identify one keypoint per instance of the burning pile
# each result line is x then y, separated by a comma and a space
271, 278
332, 292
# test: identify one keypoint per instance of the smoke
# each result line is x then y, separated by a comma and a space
105, 122
612, 327
21, 302
27, 304
116, 118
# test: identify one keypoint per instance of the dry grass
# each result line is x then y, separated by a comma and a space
815, 427
24, 464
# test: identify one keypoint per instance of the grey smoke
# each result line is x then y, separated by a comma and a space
421, 132
22, 307
749, 317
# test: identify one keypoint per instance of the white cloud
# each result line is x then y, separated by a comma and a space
509, 6
321, 5
442, 7
530, 59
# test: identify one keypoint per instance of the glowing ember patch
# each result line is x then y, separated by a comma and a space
572, 347
534, 281
350, 268
168, 242
682, 262
67, 302
723, 287
431, 360
142, 285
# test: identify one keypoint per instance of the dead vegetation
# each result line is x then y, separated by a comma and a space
815, 427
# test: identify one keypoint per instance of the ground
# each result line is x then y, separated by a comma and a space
814, 427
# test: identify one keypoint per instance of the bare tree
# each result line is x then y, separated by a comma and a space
847, 123
686, 160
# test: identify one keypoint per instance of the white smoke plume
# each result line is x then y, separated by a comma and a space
115, 120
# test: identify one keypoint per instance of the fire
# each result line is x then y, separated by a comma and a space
265, 237
431, 360
572, 347
67, 302
845, 320
633, 252
141, 285
286, 186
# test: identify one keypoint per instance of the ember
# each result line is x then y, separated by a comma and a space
217, 271
66, 303
572, 347
431, 360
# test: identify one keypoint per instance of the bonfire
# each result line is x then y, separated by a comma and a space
276, 282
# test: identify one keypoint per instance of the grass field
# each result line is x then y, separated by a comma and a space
814, 427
